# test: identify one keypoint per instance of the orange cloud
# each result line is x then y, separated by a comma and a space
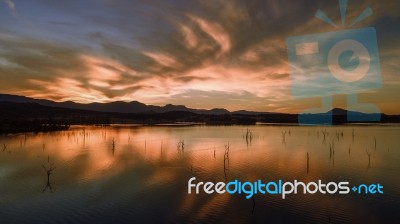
215, 31
190, 37
162, 59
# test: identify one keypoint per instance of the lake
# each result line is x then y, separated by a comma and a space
136, 174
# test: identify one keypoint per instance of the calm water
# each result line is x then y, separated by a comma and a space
137, 174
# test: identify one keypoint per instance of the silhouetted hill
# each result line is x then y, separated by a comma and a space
250, 112
338, 111
10, 110
23, 114
113, 107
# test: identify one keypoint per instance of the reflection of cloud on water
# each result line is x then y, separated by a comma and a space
146, 180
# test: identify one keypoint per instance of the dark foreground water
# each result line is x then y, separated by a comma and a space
139, 174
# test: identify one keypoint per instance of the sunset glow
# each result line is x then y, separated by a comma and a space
200, 54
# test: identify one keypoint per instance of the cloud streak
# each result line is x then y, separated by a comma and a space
171, 52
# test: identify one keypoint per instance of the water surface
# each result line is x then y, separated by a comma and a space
126, 174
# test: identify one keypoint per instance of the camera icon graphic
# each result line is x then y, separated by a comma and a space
341, 62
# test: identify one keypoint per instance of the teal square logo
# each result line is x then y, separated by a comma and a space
343, 62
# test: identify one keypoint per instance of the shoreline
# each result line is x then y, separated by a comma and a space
59, 128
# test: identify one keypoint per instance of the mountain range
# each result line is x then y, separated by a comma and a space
120, 107
135, 107
22, 114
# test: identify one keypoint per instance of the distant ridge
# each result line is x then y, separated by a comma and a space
23, 114
135, 107
120, 107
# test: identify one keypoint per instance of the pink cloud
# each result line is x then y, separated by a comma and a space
215, 31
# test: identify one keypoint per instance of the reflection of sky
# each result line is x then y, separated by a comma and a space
147, 174
180, 52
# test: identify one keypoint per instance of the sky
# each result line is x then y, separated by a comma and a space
202, 54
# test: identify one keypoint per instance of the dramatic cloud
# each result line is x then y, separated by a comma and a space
203, 54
